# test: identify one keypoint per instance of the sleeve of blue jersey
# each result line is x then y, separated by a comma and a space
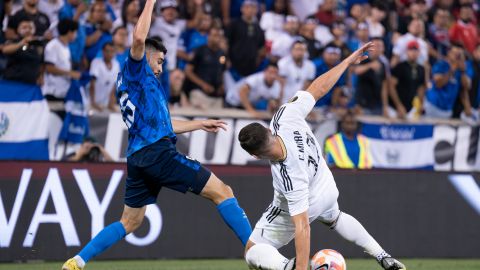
134, 68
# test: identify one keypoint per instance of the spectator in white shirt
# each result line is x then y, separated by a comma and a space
273, 20
378, 12
416, 29
259, 91
58, 63
169, 28
296, 70
104, 73
282, 40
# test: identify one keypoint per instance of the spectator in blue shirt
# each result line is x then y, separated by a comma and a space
97, 29
449, 81
193, 38
330, 57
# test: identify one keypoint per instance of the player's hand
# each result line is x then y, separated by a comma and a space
359, 55
212, 125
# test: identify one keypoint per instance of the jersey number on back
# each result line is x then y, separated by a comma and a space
128, 110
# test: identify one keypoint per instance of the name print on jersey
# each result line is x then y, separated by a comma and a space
299, 141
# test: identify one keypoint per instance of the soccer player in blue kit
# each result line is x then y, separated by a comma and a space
152, 159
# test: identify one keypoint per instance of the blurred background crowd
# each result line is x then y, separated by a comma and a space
253, 55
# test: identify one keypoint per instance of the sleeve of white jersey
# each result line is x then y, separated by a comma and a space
299, 106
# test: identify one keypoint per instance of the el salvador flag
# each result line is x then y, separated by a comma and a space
23, 122
75, 124
400, 146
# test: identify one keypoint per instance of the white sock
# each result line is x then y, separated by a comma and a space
80, 261
350, 229
265, 257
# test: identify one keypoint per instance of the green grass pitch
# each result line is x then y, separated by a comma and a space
352, 264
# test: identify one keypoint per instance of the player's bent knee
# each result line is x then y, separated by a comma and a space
217, 191
264, 256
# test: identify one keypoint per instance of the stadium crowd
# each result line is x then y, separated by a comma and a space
254, 55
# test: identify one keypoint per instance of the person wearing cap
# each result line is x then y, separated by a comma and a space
331, 57
407, 85
297, 71
448, 82
246, 42
281, 41
169, 27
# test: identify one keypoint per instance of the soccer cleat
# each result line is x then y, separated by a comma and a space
71, 264
389, 263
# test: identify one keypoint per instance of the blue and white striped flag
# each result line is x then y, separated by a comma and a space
23, 122
400, 146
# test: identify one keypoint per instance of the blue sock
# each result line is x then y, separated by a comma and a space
104, 239
235, 218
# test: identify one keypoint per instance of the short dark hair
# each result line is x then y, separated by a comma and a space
272, 64
66, 25
298, 40
156, 44
118, 28
254, 138
110, 43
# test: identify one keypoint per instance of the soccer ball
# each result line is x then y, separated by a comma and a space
328, 259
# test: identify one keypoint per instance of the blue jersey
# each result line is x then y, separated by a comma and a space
444, 97
144, 105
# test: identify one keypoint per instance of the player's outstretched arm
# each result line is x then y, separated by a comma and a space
321, 85
210, 125
141, 31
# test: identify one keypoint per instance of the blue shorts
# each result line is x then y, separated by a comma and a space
160, 165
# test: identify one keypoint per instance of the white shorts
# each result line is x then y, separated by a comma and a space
276, 228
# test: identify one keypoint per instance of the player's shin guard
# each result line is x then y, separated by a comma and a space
104, 239
235, 218
350, 229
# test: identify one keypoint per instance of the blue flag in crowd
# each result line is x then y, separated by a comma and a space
75, 124
24, 126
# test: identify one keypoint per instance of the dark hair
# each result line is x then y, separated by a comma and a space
254, 138
118, 28
156, 44
66, 25
298, 40
271, 64
110, 43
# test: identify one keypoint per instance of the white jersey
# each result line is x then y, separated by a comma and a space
300, 180
295, 76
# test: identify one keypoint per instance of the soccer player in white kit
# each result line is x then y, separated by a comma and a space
304, 188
